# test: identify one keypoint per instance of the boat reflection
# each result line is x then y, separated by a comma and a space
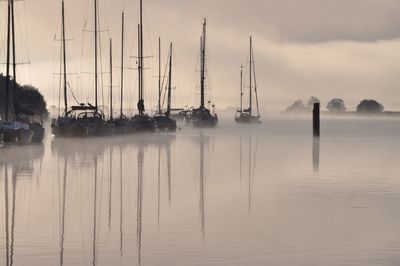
15, 162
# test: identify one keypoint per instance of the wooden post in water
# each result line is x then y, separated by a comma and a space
316, 119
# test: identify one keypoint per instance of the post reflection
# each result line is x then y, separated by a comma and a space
315, 153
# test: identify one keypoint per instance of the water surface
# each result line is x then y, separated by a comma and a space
264, 195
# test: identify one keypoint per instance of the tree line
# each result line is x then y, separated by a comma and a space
337, 105
29, 99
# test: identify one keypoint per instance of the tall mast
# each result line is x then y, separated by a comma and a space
255, 82
251, 76
241, 89
14, 61
64, 59
169, 81
203, 66
140, 67
8, 61
159, 75
122, 64
95, 53
111, 83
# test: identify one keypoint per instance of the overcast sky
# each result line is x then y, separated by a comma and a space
344, 48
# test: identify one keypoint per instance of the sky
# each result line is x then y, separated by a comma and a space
347, 48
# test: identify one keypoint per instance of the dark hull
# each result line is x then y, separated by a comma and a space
104, 130
38, 132
18, 136
179, 116
247, 119
75, 131
70, 127
122, 126
143, 123
202, 118
70, 131
165, 123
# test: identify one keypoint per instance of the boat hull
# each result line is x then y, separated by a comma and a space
143, 123
165, 123
18, 136
38, 132
202, 118
65, 127
71, 131
16, 132
248, 119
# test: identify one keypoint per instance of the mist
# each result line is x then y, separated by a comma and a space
347, 49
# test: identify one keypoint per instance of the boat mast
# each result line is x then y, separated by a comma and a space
140, 67
241, 89
8, 61
159, 75
95, 53
251, 76
203, 59
14, 61
122, 64
111, 83
64, 58
169, 81
255, 83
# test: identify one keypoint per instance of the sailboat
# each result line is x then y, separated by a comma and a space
16, 130
82, 120
164, 120
141, 122
246, 116
202, 117
122, 123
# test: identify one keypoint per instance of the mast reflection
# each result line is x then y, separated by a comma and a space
252, 170
21, 162
139, 202
94, 213
63, 201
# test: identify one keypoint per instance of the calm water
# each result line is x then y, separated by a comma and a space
265, 195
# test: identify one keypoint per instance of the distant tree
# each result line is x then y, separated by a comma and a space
296, 107
336, 105
370, 106
311, 101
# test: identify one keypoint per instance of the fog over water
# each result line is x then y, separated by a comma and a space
264, 195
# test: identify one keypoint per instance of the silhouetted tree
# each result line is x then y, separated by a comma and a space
29, 100
297, 106
370, 106
311, 101
336, 105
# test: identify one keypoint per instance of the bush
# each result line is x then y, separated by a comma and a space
29, 99
370, 106
336, 105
